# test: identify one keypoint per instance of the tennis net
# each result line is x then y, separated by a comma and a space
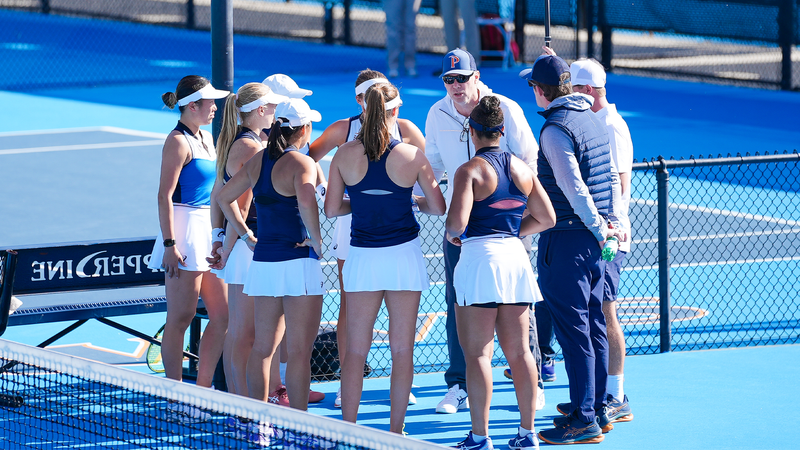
52, 400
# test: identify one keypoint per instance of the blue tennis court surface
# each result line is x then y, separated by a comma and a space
81, 164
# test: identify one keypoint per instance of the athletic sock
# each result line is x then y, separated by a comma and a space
614, 386
283, 373
478, 439
523, 432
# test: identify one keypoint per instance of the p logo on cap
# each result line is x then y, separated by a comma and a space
453, 61
458, 62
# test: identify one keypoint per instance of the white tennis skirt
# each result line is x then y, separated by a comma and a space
192, 228
396, 268
340, 243
293, 278
238, 264
494, 269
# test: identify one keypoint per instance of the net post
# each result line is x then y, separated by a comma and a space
662, 178
787, 28
6, 286
520, 11
221, 54
45, 6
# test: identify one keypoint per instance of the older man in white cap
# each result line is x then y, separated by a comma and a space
589, 77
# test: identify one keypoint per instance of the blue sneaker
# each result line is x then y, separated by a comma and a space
470, 444
529, 442
619, 411
564, 408
603, 420
573, 432
548, 371
507, 374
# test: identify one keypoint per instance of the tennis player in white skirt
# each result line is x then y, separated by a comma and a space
285, 276
494, 282
385, 259
254, 107
184, 239
337, 133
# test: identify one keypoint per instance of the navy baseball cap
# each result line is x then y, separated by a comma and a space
458, 62
547, 70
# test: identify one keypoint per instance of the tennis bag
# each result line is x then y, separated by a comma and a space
325, 358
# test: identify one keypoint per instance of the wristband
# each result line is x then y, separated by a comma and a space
322, 189
169, 242
218, 235
247, 235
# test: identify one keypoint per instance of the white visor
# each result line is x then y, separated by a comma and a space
208, 92
296, 112
393, 103
361, 88
263, 100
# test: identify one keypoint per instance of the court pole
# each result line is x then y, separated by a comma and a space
665, 319
221, 54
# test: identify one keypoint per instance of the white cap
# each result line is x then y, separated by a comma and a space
271, 97
283, 85
207, 92
587, 72
296, 112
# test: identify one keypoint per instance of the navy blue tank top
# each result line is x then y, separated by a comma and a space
251, 220
280, 226
500, 212
381, 210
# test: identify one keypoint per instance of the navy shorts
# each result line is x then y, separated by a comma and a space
611, 277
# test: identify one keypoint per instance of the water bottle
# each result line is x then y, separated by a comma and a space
611, 246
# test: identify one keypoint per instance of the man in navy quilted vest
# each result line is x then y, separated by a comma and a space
575, 168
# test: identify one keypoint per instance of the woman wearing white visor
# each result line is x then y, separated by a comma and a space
184, 241
339, 132
285, 276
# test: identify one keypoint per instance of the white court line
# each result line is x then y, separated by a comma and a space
85, 130
719, 263
721, 212
719, 236
62, 148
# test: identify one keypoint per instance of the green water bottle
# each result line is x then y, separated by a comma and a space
611, 246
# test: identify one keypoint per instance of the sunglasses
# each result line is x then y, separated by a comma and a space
450, 79
531, 83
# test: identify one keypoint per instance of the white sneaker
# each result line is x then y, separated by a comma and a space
539, 398
411, 399
454, 400
181, 412
338, 402
393, 73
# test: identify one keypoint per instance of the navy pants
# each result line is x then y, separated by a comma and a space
571, 279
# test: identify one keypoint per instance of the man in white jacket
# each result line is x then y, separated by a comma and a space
448, 146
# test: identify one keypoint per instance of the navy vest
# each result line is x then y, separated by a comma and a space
593, 154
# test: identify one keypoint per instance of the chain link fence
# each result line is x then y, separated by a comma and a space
747, 42
727, 279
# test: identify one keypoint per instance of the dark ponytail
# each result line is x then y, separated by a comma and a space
489, 114
279, 137
187, 86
